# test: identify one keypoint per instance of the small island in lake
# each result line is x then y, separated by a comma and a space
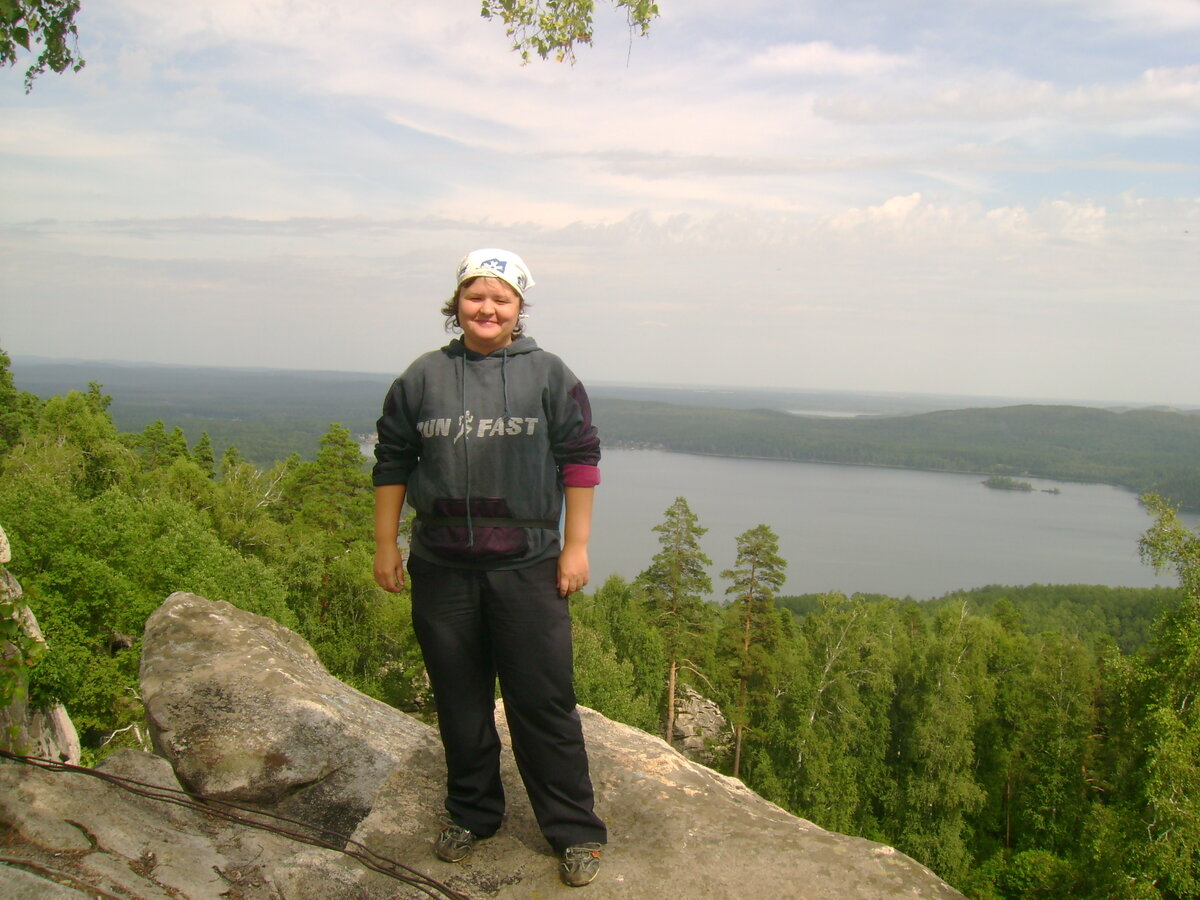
1004, 483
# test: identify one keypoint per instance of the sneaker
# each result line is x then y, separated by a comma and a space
579, 865
454, 843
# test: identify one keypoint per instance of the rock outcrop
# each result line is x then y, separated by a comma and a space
49, 733
701, 732
68, 835
244, 711
240, 708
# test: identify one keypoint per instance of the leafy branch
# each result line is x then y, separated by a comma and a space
50, 23
555, 27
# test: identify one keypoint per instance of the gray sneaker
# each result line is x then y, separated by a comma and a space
454, 843
579, 865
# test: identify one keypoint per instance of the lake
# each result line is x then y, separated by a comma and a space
872, 530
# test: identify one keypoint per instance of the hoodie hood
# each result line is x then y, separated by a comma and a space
523, 344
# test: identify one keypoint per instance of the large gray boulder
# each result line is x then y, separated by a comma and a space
242, 709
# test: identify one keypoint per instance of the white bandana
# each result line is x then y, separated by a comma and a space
494, 263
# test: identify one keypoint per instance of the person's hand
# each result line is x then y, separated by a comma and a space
572, 570
389, 568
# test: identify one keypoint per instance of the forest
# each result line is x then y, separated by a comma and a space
268, 414
1028, 742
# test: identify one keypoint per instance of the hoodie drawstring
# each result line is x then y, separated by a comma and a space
462, 361
504, 380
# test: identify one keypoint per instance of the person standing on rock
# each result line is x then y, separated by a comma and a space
488, 439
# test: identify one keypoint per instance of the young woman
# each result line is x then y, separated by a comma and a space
487, 439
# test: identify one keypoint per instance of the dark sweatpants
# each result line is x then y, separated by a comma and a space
473, 626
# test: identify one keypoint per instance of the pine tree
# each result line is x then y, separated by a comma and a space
752, 624
676, 583
156, 448
202, 453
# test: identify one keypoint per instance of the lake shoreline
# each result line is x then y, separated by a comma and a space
618, 445
871, 529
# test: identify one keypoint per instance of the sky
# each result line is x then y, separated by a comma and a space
970, 197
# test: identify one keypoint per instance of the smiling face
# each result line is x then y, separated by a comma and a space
488, 309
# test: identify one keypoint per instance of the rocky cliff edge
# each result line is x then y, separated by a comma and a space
242, 711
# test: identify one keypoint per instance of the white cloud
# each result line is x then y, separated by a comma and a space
821, 58
1152, 16
1159, 93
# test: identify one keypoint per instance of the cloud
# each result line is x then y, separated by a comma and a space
1145, 16
821, 58
1160, 93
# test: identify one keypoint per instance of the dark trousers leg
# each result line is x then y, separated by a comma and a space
449, 621
471, 627
531, 642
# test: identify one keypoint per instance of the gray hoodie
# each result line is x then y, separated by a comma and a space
485, 445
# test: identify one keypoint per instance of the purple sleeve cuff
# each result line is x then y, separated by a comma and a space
576, 475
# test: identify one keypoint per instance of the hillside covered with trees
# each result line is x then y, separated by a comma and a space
1034, 742
1140, 449
269, 414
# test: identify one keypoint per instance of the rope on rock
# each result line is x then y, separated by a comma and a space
58, 876
304, 832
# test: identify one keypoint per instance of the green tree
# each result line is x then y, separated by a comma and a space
331, 498
49, 23
836, 736
752, 626
18, 409
1056, 724
618, 614
156, 448
325, 508
556, 27
1001, 733
941, 686
202, 453
95, 565
75, 434
1155, 732
607, 683
676, 583
244, 504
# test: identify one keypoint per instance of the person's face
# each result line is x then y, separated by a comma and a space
488, 309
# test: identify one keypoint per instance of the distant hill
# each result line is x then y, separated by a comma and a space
266, 413
269, 413
1140, 449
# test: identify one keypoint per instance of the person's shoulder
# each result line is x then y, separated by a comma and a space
433, 357
557, 371
527, 346
524, 346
